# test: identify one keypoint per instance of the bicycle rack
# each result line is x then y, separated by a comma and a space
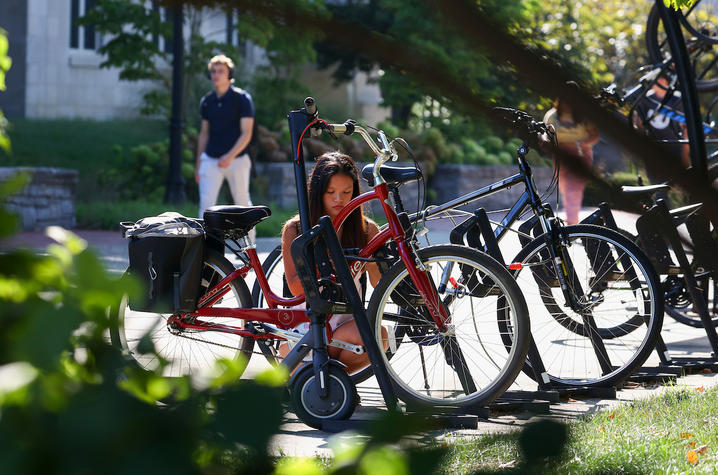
656, 230
320, 246
476, 232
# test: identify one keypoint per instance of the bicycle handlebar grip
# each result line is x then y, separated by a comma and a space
310, 105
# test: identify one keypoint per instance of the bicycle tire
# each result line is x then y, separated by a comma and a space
682, 311
629, 350
657, 54
685, 314
195, 351
271, 265
459, 381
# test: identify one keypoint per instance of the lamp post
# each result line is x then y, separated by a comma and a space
175, 182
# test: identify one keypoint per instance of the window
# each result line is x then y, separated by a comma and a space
233, 38
163, 43
82, 37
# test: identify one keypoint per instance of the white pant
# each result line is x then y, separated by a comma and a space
211, 177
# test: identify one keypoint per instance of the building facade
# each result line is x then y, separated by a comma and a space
56, 69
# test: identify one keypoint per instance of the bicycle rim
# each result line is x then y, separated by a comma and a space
468, 364
702, 49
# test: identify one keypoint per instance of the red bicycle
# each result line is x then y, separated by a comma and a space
438, 305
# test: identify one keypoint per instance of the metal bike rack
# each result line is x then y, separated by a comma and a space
476, 232
319, 246
656, 229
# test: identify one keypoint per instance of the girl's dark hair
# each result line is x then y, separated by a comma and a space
354, 232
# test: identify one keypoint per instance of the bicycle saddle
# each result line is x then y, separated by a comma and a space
235, 218
643, 192
392, 175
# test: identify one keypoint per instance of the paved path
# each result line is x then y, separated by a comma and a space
296, 438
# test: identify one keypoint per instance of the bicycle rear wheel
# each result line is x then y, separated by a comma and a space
468, 364
700, 29
615, 287
681, 308
156, 344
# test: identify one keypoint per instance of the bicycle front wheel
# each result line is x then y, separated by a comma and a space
611, 285
467, 364
155, 343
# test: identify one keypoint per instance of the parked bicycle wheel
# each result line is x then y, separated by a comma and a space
700, 29
614, 289
680, 306
468, 364
185, 352
676, 298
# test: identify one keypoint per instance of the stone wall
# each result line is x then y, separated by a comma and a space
49, 198
447, 183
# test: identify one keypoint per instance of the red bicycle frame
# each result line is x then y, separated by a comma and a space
289, 318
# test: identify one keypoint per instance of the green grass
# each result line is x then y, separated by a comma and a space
107, 215
649, 436
83, 145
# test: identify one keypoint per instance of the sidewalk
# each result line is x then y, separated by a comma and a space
295, 438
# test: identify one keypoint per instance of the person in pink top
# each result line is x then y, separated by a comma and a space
577, 138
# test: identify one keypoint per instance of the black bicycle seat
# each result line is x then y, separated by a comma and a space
235, 218
392, 175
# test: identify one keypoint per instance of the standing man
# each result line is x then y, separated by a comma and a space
227, 120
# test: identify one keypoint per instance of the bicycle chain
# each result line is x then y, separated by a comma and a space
216, 344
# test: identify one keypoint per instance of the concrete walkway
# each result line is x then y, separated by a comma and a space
295, 438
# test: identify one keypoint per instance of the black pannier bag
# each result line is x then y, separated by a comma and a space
166, 253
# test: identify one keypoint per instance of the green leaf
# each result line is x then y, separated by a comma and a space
70, 240
296, 465
274, 377
384, 461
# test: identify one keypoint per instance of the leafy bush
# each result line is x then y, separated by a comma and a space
141, 172
592, 195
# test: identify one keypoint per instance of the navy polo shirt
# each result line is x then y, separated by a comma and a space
224, 115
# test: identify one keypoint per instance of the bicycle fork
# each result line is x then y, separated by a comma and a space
574, 294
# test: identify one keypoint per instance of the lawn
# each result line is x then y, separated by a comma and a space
83, 145
670, 433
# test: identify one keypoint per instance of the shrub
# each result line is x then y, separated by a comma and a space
141, 173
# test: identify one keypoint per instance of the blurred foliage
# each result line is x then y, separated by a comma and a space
605, 38
420, 25
5, 63
141, 171
596, 42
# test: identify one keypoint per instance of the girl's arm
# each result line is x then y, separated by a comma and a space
289, 233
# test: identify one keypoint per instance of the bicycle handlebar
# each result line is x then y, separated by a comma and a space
385, 153
534, 134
